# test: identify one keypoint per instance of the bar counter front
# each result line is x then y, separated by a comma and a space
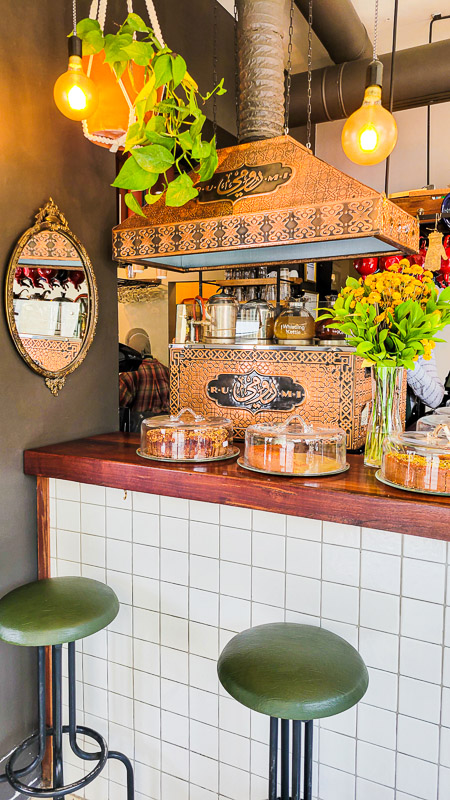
345, 552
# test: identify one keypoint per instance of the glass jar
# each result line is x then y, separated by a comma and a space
418, 461
295, 448
295, 324
429, 422
186, 436
325, 331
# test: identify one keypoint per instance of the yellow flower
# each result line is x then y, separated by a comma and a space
352, 304
380, 317
374, 297
396, 295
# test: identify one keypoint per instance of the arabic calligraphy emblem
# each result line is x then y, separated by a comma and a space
243, 182
255, 392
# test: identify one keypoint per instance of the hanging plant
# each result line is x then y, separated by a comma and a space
167, 134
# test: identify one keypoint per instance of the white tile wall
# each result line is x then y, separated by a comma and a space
189, 575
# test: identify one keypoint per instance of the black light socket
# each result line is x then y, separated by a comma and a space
75, 46
374, 76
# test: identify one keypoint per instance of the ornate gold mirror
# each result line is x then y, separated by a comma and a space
51, 298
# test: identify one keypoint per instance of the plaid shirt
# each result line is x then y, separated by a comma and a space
145, 389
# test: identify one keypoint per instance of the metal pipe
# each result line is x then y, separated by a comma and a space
421, 77
58, 777
391, 89
260, 29
434, 18
296, 758
285, 759
339, 28
307, 774
273, 758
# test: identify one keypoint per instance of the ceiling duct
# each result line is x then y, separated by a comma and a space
421, 76
339, 28
270, 200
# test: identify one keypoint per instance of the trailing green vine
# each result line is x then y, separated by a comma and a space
172, 138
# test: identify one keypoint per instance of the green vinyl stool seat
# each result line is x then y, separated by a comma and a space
48, 614
56, 611
292, 672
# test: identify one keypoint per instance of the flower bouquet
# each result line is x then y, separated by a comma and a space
391, 318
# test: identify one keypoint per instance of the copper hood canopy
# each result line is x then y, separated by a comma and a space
270, 201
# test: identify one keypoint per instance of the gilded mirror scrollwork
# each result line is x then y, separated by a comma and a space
51, 298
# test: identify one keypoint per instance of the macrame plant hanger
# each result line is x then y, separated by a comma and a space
98, 11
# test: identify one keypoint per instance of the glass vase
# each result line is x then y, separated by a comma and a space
385, 417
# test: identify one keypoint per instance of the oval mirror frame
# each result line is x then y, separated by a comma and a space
50, 218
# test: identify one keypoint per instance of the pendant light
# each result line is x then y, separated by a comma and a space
370, 133
75, 94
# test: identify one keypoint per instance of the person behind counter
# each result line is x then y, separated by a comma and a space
143, 387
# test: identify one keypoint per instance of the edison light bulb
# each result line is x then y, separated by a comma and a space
75, 94
370, 133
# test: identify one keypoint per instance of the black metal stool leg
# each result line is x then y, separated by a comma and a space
58, 774
130, 774
273, 758
296, 758
307, 775
284, 759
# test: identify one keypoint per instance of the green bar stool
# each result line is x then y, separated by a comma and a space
292, 672
53, 612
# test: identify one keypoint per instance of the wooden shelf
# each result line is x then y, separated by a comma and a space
256, 281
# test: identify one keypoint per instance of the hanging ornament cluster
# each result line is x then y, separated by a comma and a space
434, 256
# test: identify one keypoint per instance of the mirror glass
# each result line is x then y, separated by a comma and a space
51, 298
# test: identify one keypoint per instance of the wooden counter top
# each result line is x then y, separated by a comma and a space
354, 497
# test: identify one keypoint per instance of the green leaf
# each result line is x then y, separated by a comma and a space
157, 138
87, 25
196, 127
150, 199
180, 190
353, 283
140, 52
153, 158
208, 165
114, 47
133, 177
162, 66
383, 335
364, 347
178, 69
135, 136
156, 123
92, 43
146, 90
135, 23
185, 141
444, 296
133, 204
201, 150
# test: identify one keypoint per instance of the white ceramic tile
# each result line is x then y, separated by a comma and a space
234, 750
146, 560
204, 539
426, 549
68, 515
147, 750
262, 614
174, 665
123, 621
118, 523
379, 650
375, 763
416, 777
146, 625
203, 640
340, 602
120, 649
420, 660
335, 784
204, 739
367, 790
175, 729
174, 632
204, 512
120, 679
381, 541
68, 545
146, 528
337, 750
303, 557
122, 585
340, 564
423, 621
93, 550
96, 644
203, 706
418, 738
204, 573
446, 675
444, 783
235, 517
118, 498
174, 507
198, 793
204, 607
174, 697
52, 487
342, 629
341, 723
445, 708
146, 656
93, 519
423, 580
268, 550
174, 599
260, 727
203, 673
204, 772
419, 699
269, 522
304, 528
71, 568
338, 533
141, 501
67, 490
380, 572
174, 533
233, 716
147, 688
383, 689
147, 718
118, 555
268, 586
377, 726
175, 760
303, 594
235, 544
174, 566
95, 671
96, 700
146, 593
380, 611
234, 783
147, 781
444, 758
236, 579
234, 613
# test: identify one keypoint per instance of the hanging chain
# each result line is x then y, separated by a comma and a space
287, 92
215, 65
236, 70
375, 32
308, 107
74, 16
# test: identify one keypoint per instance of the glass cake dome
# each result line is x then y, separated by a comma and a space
186, 436
418, 461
